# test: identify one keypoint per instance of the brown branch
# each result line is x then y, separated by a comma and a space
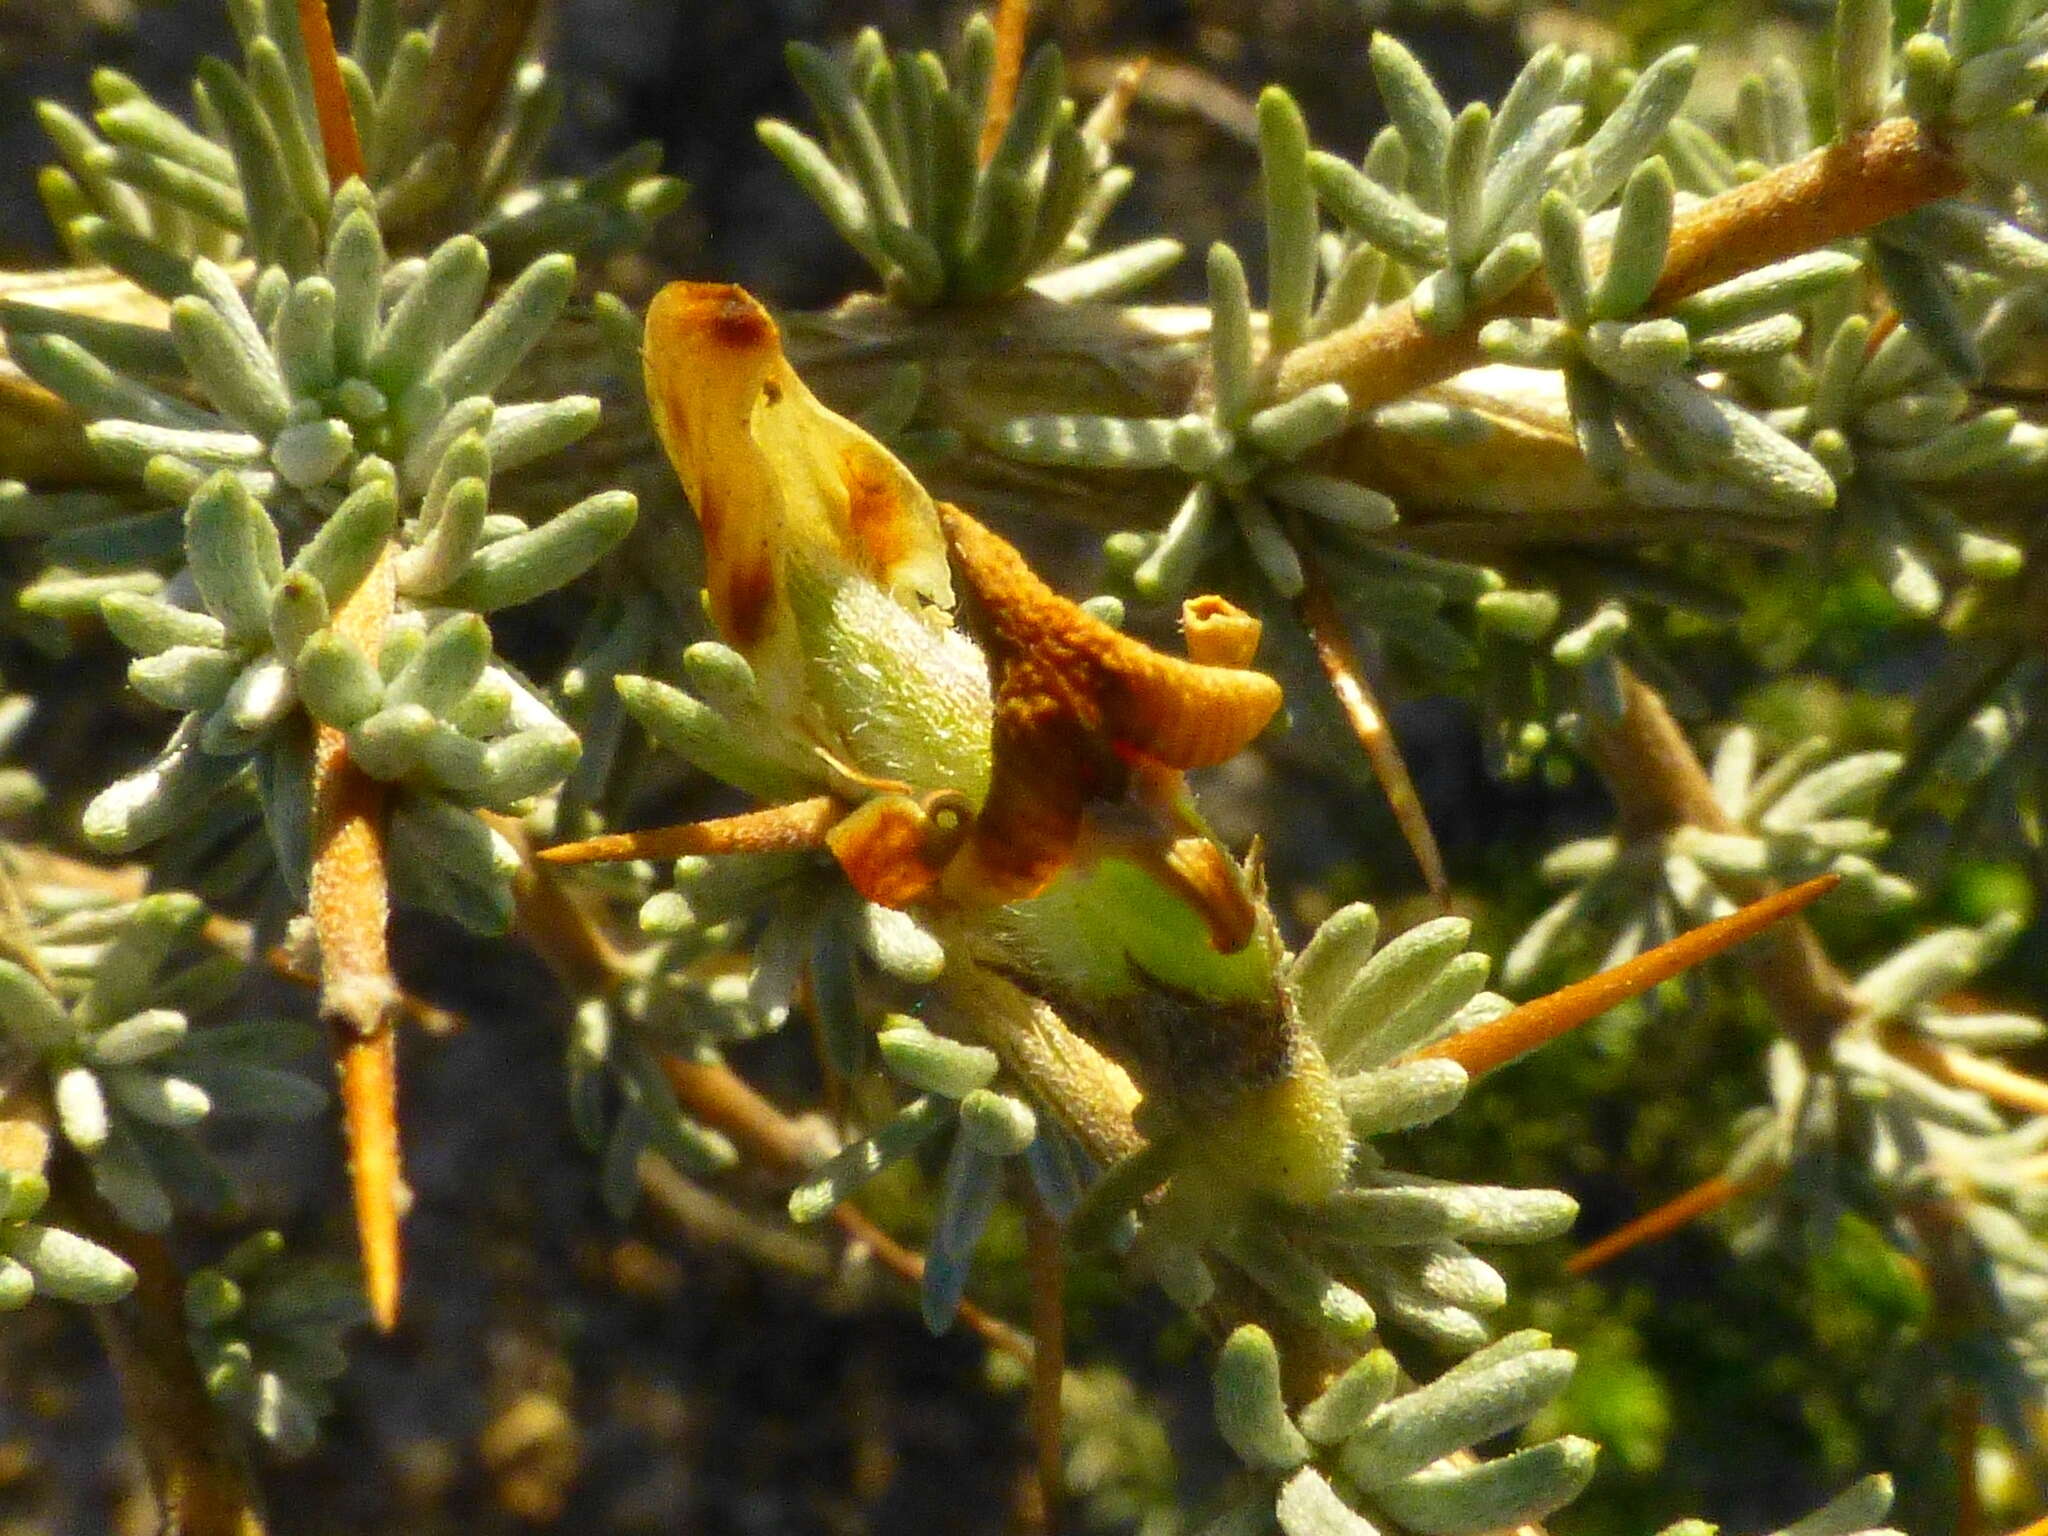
350, 901
567, 938
1949, 1261
1045, 1262
712, 1220
1966, 1430
196, 1468
586, 961
576, 949
1838, 190
1828, 195
477, 48
1658, 786
1651, 769
720, 1097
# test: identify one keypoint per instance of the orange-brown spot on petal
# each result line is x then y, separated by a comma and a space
710, 509
876, 512
748, 602
1218, 632
729, 314
742, 327
724, 313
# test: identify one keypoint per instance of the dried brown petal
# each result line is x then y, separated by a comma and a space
1080, 710
1180, 713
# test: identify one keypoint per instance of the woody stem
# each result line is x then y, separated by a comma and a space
1659, 785
1837, 191
720, 1097
196, 1469
1045, 1260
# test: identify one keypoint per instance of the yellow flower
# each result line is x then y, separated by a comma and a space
787, 492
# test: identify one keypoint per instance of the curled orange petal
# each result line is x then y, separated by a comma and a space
1048, 767
1082, 713
1218, 633
1180, 713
